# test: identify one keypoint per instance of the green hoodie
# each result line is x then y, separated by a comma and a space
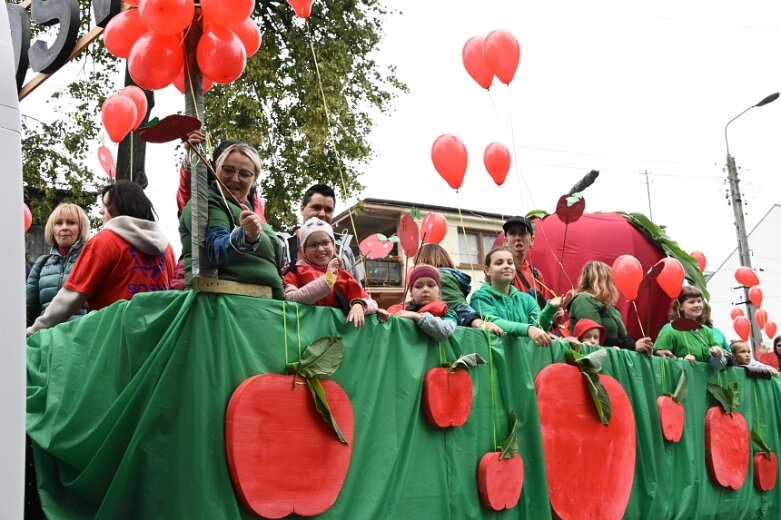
514, 312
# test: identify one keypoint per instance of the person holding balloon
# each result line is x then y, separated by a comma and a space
67, 230
242, 247
515, 312
595, 299
694, 345
455, 287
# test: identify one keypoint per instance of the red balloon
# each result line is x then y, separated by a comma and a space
249, 34
433, 228
474, 62
139, 98
746, 276
449, 156
627, 275
755, 295
761, 317
122, 32
303, 8
226, 13
742, 327
167, 16
502, 54
770, 329
107, 162
700, 258
155, 60
497, 162
180, 84
27, 216
119, 116
221, 55
671, 277
734, 313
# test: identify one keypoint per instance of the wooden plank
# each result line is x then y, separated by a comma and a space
212, 285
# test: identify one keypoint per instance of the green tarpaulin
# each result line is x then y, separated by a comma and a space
126, 407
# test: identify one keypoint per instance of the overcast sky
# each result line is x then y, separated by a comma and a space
622, 87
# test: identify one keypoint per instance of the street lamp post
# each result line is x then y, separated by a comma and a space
740, 224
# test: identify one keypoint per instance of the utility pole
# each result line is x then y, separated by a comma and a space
648, 192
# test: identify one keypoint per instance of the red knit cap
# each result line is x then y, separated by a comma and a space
585, 324
423, 270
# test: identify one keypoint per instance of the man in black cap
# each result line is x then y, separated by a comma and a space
519, 237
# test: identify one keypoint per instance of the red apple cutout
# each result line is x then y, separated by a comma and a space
671, 412
576, 443
765, 464
283, 457
768, 358
375, 246
726, 439
447, 392
500, 473
570, 208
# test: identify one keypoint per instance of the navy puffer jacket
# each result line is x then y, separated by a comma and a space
46, 277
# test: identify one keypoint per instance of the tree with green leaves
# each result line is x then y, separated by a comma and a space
306, 101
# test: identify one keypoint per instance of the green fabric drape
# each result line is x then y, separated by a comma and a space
126, 408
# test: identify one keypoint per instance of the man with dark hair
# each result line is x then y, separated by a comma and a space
519, 237
319, 201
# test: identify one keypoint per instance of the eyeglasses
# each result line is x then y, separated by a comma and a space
325, 244
230, 171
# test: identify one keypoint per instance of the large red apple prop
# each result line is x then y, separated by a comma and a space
726, 439
282, 456
447, 397
576, 443
765, 471
499, 481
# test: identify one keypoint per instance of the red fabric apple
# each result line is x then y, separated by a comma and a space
726, 439
671, 412
576, 443
447, 392
765, 464
500, 473
282, 455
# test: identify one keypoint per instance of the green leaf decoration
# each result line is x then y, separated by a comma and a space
381, 237
593, 362
598, 396
415, 214
760, 442
321, 404
727, 397
467, 361
681, 390
321, 358
509, 446
537, 213
152, 122
572, 200
573, 356
394, 239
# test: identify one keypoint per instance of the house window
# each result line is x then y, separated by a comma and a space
473, 246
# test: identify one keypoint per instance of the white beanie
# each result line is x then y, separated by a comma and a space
312, 225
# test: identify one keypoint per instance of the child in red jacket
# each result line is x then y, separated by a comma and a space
319, 280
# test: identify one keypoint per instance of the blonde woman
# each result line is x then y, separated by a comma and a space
595, 300
67, 230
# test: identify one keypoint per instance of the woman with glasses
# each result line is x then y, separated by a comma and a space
243, 248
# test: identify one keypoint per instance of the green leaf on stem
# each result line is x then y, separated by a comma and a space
394, 239
153, 122
321, 404
381, 237
415, 213
321, 358
681, 390
727, 397
467, 361
760, 442
598, 396
509, 446
593, 362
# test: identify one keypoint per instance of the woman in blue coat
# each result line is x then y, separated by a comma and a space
67, 230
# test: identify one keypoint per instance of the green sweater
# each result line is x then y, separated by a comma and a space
514, 312
586, 306
257, 267
681, 343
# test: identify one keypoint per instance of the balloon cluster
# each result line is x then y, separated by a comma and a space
746, 277
496, 55
123, 112
628, 275
151, 38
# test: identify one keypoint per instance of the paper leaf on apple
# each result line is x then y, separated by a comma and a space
509, 446
170, 128
570, 207
760, 443
681, 389
415, 214
727, 397
685, 324
321, 358
467, 361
